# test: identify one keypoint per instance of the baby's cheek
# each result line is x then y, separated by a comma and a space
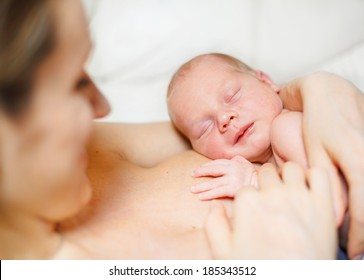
216, 151
213, 147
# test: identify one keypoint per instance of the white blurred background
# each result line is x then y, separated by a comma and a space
139, 44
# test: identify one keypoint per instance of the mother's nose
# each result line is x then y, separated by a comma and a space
224, 120
99, 103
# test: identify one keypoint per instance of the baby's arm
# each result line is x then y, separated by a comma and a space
287, 139
228, 176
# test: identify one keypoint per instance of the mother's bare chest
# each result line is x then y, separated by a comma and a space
145, 214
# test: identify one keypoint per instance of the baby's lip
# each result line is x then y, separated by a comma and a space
242, 131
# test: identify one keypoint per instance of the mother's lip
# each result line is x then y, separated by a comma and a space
241, 132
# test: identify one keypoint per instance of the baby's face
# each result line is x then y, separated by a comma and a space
224, 112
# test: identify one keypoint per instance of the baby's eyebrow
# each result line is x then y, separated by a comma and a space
227, 86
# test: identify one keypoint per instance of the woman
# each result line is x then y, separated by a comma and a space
134, 200
47, 105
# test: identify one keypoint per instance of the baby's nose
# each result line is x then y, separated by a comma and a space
225, 120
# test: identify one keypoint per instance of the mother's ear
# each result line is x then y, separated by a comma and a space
267, 80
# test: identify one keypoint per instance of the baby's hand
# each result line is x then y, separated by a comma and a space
228, 177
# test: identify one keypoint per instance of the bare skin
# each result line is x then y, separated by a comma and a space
153, 204
136, 200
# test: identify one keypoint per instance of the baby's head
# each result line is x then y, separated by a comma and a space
224, 107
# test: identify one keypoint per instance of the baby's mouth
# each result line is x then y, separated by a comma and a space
242, 132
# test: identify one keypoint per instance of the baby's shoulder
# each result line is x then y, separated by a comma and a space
286, 123
286, 137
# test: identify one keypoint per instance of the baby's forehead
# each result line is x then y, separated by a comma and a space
204, 68
209, 61
207, 73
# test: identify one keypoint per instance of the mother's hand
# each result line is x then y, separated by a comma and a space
333, 129
282, 207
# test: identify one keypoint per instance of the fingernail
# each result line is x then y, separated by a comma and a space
193, 188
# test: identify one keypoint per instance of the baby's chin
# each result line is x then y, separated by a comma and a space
214, 155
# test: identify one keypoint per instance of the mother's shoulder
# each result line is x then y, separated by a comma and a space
144, 144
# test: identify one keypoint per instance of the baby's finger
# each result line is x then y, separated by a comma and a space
211, 170
218, 231
207, 185
241, 159
223, 191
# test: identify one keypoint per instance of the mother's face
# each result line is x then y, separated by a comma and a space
44, 157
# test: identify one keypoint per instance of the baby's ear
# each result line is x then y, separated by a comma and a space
267, 80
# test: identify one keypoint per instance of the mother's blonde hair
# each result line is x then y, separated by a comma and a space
26, 38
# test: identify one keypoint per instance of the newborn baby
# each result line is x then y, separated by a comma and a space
234, 115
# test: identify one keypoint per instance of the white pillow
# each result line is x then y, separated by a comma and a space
139, 44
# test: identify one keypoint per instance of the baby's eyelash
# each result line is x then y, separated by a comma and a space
230, 97
205, 130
